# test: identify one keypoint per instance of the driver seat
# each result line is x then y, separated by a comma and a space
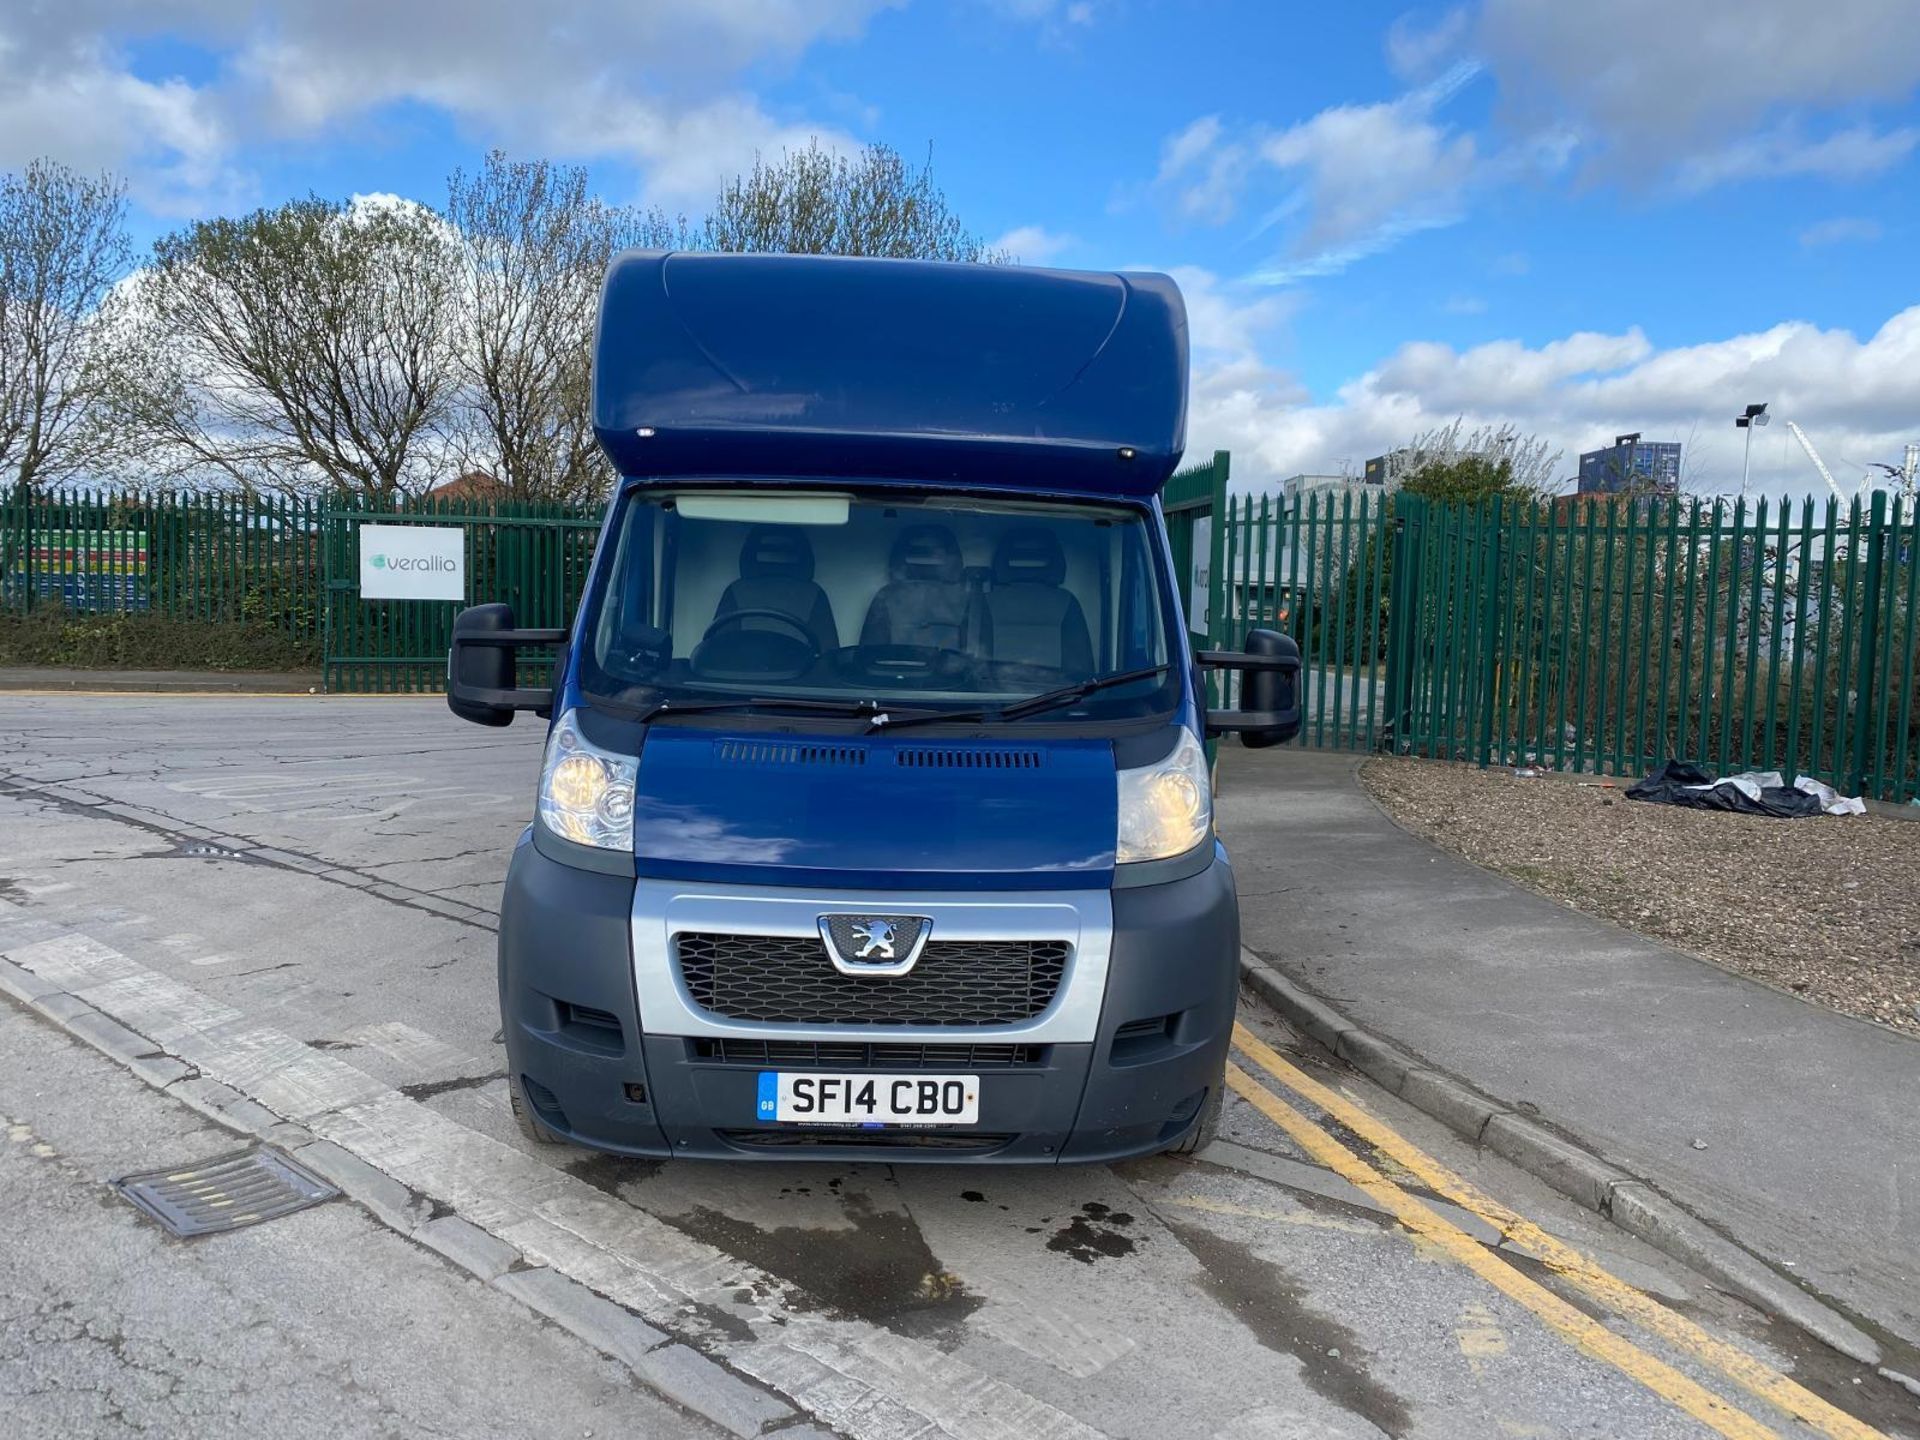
776, 573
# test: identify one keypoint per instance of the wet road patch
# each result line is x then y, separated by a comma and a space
1269, 1302
1097, 1232
876, 1267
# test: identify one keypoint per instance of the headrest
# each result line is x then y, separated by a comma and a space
925, 552
1029, 557
776, 552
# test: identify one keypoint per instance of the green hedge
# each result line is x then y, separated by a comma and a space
52, 636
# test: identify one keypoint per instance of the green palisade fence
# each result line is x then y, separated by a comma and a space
1597, 636
288, 565
217, 558
532, 556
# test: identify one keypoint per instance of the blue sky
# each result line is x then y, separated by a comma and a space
1582, 219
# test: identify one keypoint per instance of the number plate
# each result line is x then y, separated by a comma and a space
814, 1098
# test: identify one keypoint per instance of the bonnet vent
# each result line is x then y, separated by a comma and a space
786, 753
937, 757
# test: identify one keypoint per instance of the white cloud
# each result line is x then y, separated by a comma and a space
1841, 230
1859, 399
1711, 90
1851, 154
1417, 47
1346, 183
1202, 174
1367, 174
1233, 389
654, 83
75, 104
1034, 244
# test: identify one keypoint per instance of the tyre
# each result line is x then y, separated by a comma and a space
1207, 1126
524, 1118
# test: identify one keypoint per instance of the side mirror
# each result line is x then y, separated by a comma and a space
1270, 710
481, 669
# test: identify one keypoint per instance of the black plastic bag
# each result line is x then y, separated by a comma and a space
1683, 783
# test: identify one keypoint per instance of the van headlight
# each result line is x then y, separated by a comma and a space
1165, 808
586, 794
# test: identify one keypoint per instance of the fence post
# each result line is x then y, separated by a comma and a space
1864, 677
26, 497
1492, 596
1216, 550
1401, 625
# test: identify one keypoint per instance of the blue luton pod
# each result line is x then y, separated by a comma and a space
875, 819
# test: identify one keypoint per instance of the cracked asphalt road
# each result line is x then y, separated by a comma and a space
325, 870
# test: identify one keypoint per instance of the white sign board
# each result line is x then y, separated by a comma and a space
413, 562
1197, 617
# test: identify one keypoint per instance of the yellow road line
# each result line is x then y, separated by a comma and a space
1750, 1374
1450, 1240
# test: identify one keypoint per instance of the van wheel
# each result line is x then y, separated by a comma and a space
523, 1117
1208, 1125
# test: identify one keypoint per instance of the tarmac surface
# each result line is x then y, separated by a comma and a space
280, 911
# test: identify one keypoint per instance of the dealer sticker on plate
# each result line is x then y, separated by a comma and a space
816, 1099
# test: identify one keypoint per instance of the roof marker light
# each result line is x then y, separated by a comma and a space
645, 432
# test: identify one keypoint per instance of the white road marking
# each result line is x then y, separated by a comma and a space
857, 1377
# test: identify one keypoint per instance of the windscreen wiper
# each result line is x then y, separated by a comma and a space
1019, 709
1067, 694
854, 709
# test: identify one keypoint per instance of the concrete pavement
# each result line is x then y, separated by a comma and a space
1793, 1129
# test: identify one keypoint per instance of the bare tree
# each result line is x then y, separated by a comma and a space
305, 347
534, 246
817, 202
63, 246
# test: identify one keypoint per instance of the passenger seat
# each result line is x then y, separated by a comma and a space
1033, 619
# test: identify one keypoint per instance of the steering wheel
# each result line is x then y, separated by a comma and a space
898, 663
700, 660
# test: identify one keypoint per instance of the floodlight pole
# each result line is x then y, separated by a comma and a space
1756, 415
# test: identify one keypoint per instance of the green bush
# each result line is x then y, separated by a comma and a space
53, 636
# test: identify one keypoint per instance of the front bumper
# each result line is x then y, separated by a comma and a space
575, 1034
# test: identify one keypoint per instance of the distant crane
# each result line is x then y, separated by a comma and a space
1814, 456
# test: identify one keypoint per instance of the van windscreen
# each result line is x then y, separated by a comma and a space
919, 602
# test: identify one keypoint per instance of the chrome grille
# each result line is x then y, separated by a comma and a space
783, 978
856, 1055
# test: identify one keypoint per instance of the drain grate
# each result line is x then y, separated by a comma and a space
204, 850
226, 1192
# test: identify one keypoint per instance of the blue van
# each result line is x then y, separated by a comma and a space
875, 820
